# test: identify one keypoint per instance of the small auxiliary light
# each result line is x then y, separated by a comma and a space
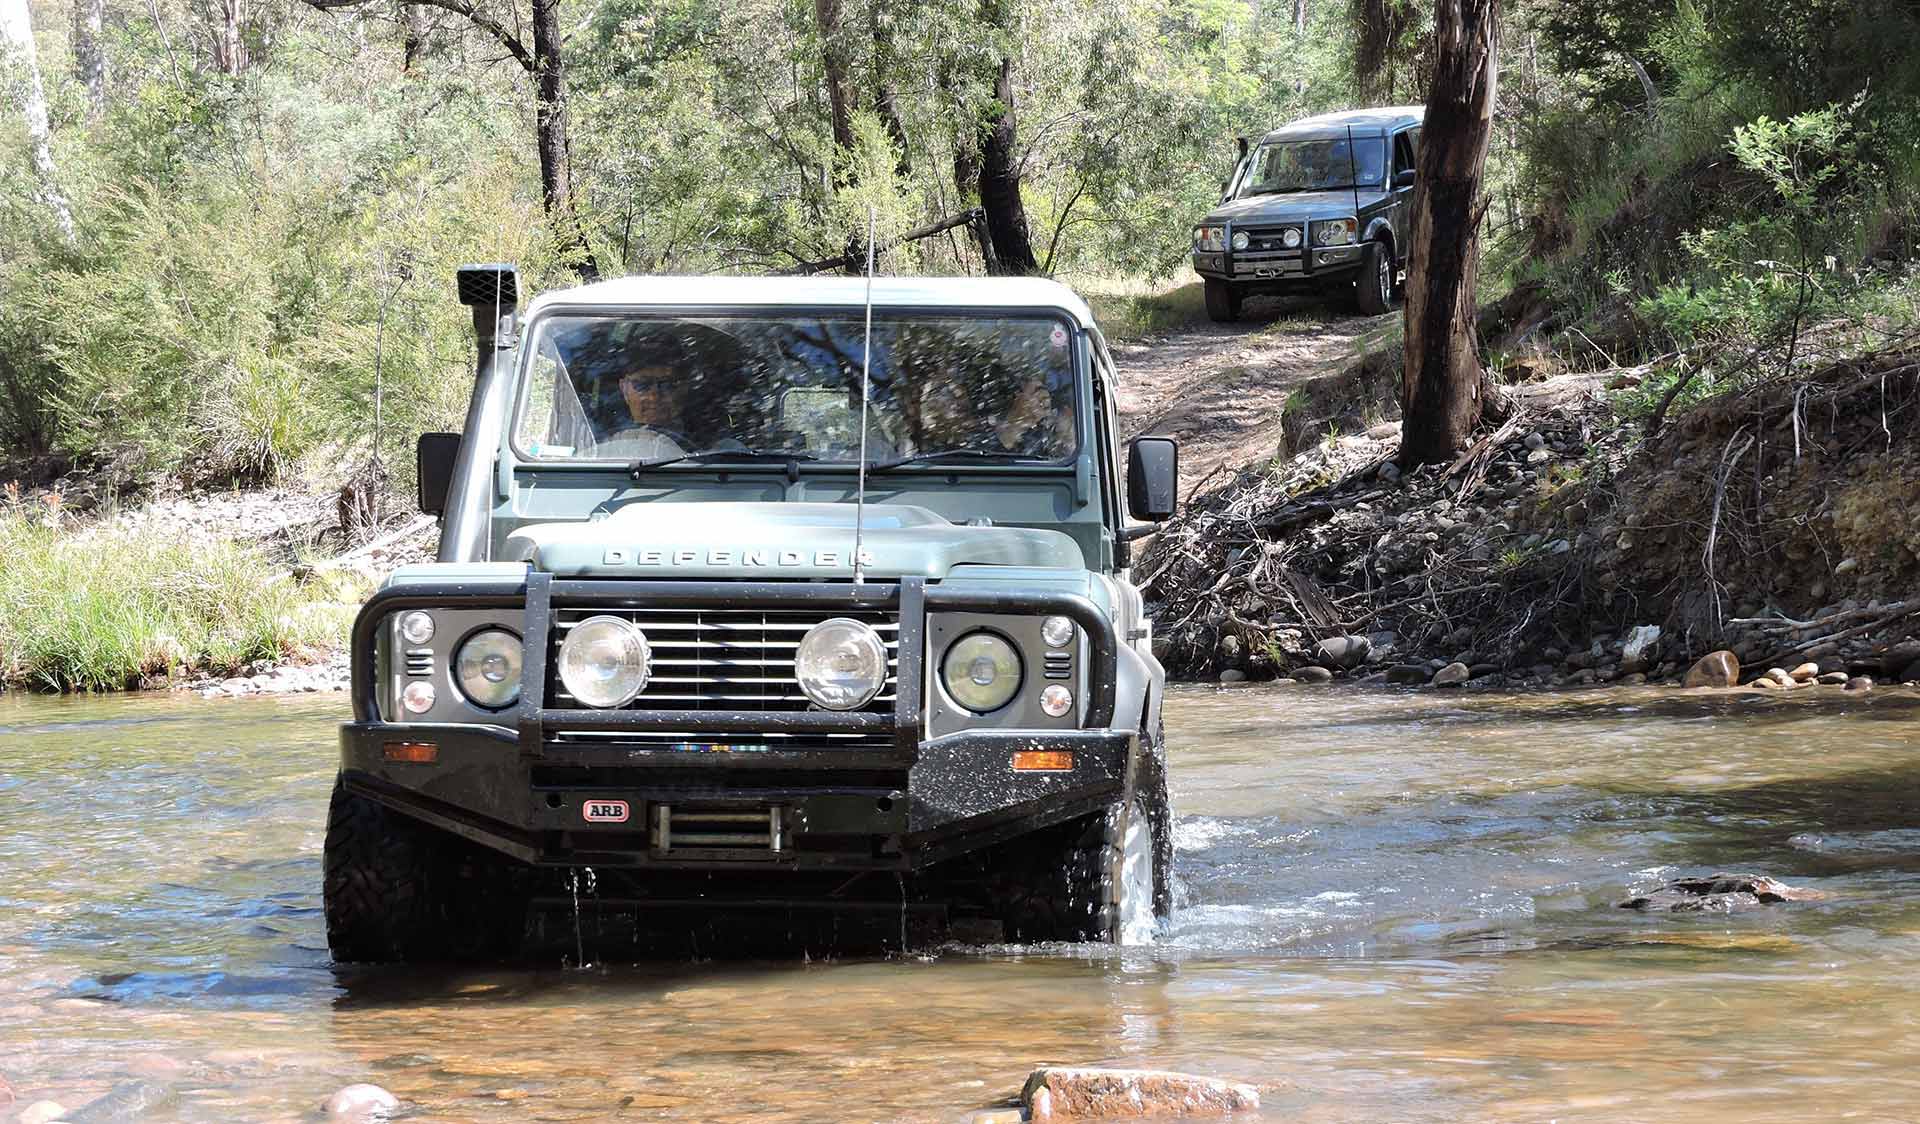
417, 753
417, 697
1043, 761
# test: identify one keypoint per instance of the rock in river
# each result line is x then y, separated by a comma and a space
41, 1112
1062, 1093
1715, 669
1312, 674
1719, 893
361, 1102
1342, 651
1452, 675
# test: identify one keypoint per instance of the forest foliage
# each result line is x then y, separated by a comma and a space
268, 200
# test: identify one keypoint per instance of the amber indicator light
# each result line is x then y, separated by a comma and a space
418, 753
1043, 761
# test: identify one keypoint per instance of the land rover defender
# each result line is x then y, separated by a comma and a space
1321, 206
764, 597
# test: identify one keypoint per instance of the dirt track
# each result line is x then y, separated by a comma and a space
1221, 388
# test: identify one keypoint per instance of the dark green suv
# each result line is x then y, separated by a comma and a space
1321, 206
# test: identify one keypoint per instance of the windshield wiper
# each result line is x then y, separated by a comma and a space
700, 455
936, 455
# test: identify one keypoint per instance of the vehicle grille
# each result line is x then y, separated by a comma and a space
724, 659
1266, 240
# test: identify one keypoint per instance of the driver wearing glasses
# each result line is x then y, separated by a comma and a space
654, 397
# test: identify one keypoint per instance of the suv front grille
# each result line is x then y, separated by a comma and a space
724, 659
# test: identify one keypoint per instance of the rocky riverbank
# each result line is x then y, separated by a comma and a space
1569, 547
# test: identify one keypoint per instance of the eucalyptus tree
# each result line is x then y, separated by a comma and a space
541, 56
16, 39
1443, 388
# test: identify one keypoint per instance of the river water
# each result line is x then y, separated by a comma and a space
1393, 906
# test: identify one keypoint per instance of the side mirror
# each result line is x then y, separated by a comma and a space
433, 461
1153, 473
1403, 178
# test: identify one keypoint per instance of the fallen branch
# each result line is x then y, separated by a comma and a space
857, 255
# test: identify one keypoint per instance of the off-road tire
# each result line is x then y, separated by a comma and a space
1373, 288
1223, 301
1069, 885
397, 890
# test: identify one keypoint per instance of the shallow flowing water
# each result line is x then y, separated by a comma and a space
1392, 907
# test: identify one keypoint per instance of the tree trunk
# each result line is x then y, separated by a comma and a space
89, 58
1300, 16
550, 137
833, 59
1441, 392
230, 48
16, 40
414, 42
885, 101
1000, 202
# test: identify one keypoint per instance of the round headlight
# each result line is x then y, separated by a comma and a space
841, 664
1057, 632
487, 667
1291, 239
416, 627
603, 661
981, 672
1240, 240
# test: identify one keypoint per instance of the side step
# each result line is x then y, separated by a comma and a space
718, 831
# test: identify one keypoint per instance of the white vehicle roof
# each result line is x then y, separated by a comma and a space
1011, 293
1363, 122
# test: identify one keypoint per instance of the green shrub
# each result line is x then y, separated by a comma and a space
100, 609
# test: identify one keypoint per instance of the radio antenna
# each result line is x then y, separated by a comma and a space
1353, 181
866, 372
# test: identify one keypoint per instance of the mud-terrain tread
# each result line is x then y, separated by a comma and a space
396, 890
1223, 302
1151, 791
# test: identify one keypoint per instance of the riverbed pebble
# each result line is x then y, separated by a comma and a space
360, 1102
1063, 1093
1806, 672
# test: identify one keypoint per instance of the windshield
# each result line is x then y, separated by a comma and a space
633, 388
1315, 165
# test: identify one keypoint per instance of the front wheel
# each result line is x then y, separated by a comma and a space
397, 890
1223, 301
1373, 289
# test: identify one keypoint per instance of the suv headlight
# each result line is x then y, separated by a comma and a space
487, 667
603, 661
1212, 239
981, 671
1333, 232
841, 664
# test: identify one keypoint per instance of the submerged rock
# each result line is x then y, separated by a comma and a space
1063, 1093
1719, 893
361, 1102
1715, 669
132, 1100
1859, 683
41, 1112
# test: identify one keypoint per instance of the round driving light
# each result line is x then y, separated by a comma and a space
1291, 239
416, 627
1056, 700
487, 667
1057, 632
981, 672
603, 661
417, 698
1240, 240
841, 664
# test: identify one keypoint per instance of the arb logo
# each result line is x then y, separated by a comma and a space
605, 811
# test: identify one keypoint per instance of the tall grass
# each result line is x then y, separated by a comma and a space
1129, 309
102, 609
